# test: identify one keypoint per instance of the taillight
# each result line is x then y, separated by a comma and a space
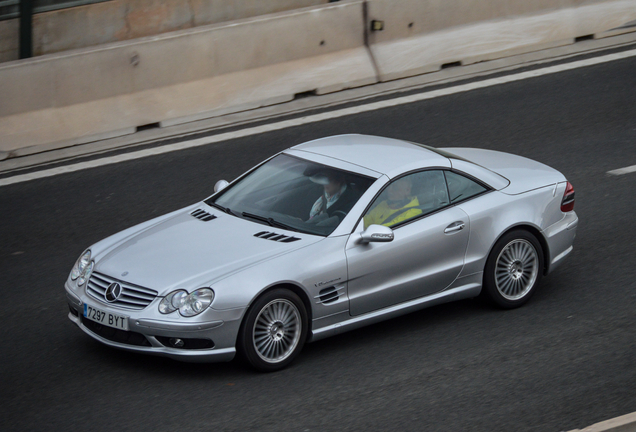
567, 204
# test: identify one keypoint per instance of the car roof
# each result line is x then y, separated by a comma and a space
383, 155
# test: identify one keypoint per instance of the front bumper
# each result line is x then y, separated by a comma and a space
209, 338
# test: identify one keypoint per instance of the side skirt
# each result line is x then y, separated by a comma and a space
469, 286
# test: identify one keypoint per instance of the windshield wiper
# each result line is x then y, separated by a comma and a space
220, 207
269, 221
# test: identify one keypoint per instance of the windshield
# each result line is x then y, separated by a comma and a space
296, 194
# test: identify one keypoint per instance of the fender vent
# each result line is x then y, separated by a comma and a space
276, 237
329, 295
203, 215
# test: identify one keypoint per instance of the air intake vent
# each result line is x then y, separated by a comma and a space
203, 215
276, 237
329, 295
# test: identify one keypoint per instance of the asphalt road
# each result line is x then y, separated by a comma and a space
565, 360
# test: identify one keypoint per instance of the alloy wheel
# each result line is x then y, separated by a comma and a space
277, 330
516, 269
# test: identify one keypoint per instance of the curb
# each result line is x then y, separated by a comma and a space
626, 423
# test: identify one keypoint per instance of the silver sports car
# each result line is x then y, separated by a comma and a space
322, 238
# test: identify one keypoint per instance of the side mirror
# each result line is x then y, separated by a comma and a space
376, 233
220, 185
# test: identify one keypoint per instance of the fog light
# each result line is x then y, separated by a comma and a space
176, 342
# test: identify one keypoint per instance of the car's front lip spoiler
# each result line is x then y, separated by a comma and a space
173, 326
199, 356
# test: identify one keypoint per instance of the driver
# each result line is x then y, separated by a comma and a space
397, 207
337, 196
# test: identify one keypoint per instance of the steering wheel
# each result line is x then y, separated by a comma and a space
343, 213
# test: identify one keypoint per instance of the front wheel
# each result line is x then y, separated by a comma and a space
274, 330
514, 269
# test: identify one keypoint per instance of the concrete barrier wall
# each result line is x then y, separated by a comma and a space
119, 20
182, 76
420, 36
9, 47
603, 18
88, 94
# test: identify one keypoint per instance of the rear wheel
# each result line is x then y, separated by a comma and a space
514, 269
274, 330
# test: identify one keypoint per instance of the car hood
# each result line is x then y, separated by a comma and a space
185, 252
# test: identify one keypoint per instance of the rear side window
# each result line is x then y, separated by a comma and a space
461, 188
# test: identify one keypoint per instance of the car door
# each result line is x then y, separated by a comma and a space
426, 254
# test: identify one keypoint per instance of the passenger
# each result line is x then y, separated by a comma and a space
397, 207
337, 198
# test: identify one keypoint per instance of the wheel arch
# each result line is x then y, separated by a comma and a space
537, 234
296, 289
246, 344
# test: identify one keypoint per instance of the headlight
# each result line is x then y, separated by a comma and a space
196, 302
86, 274
188, 305
82, 269
172, 301
81, 265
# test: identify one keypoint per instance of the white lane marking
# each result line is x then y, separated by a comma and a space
621, 171
316, 118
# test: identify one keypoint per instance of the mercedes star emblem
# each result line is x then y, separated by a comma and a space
112, 292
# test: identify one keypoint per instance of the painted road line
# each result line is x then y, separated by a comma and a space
621, 171
317, 118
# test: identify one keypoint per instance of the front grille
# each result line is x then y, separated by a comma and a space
116, 335
132, 296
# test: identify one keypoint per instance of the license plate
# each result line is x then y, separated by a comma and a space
106, 318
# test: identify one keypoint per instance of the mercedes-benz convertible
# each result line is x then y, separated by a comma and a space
322, 238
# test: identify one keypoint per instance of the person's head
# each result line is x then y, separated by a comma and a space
335, 183
332, 181
399, 190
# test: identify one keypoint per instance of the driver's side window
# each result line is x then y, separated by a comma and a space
407, 198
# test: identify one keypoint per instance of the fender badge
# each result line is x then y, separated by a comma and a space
319, 284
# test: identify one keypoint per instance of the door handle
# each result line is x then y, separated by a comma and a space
454, 227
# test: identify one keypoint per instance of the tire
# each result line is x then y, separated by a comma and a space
273, 331
513, 270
